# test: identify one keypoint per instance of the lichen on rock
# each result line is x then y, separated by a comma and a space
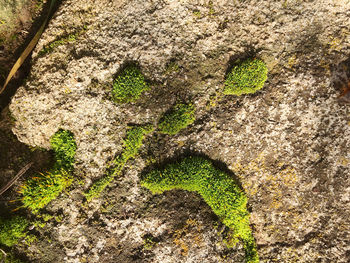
288, 143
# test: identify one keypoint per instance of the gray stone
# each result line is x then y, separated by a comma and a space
288, 143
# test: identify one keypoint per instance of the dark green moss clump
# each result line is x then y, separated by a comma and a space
246, 77
11, 230
132, 144
129, 85
41, 189
217, 188
178, 118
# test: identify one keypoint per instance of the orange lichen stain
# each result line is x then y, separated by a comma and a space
346, 89
292, 61
180, 143
335, 44
184, 248
325, 64
343, 161
188, 236
275, 182
345, 94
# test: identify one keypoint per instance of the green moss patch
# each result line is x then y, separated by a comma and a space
132, 144
217, 188
64, 146
246, 77
177, 118
11, 230
129, 85
41, 189
63, 40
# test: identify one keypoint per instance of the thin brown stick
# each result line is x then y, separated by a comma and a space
14, 179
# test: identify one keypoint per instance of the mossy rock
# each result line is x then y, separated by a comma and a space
42, 188
221, 192
129, 85
132, 144
246, 77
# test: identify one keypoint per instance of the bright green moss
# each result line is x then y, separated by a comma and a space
96, 189
41, 189
246, 77
64, 146
178, 118
217, 188
132, 144
129, 85
11, 230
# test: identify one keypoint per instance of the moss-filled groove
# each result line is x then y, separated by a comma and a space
42, 188
221, 192
132, 143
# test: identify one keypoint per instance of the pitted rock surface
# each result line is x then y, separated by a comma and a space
288, 143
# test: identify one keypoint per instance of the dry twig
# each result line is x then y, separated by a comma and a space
14, 179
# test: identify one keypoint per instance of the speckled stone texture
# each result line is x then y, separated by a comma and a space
288, 143
10, 12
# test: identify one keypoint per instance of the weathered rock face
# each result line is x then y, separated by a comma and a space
12, 13
288, 143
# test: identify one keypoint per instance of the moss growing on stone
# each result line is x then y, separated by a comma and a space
217, 188
129, 85
41, 189
178, 118
59, 42
246, 77
132, 144
62, 40
64, 146
12, 229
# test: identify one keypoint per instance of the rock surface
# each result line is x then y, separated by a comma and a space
12, 14
288, 143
